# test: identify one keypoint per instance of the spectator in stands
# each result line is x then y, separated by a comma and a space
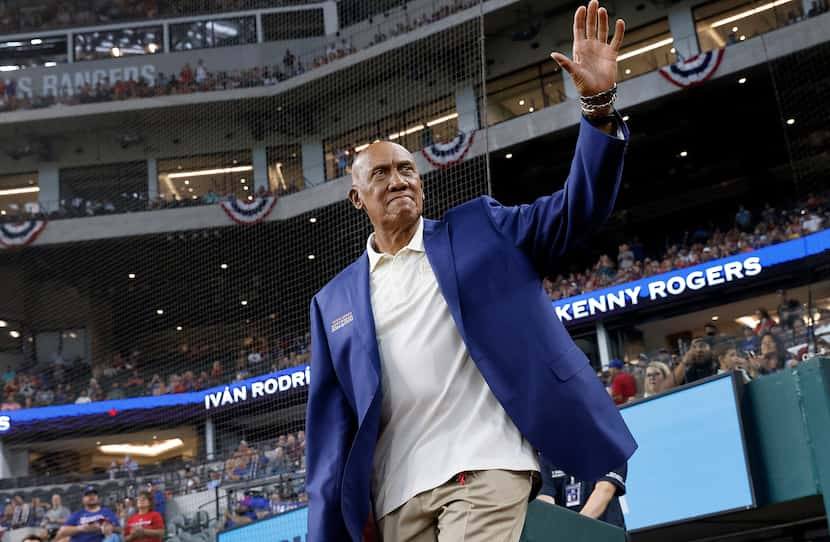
242, 515
730, 360
789, 310
115, 392
190, 481
86, 525
37, 512
44, 397
55, 516
83, 398
659, 378
148, 524
201, 74
765, 321
743, 219
108, 532
215, 479
623, 387
698, 363
773, 355
751, 342
10, 403
130, 466
20, 517
159, 498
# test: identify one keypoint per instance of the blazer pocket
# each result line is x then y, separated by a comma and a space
569, 363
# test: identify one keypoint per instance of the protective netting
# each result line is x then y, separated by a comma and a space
203, 302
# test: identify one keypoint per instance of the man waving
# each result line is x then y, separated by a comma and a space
439, 364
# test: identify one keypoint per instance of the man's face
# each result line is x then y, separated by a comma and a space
56, 501
386, 184
90, 500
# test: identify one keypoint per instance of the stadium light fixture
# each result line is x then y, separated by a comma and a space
625, 118
628, 71
142, 450
243, 302
749, 13
443, 119
734, 29
311, 256
742, 80
203, 172
509, 155
521, 102
178, 328
186, 181
715, 318
14, 334
115, 51
152, 47
159, 311
36, 41
3, 323
224, 266
26, 190
684, 154
531, 109
790, 121
312, 220
131, 276
10, 68
672, 50
743, 38
645, 49
3, 212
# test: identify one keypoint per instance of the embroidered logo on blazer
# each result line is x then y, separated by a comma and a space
342, 321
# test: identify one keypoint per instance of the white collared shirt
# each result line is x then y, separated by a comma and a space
438, 416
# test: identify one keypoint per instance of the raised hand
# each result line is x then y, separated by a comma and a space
594, 64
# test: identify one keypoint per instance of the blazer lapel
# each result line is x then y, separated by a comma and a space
365, 325
439, 253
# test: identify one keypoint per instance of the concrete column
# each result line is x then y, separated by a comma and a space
49, 184
13, 463
165, 37
260, 163
330, 23
684, 32
152, 179
260, 36
210, 439
467, 107
70, 47
603, 344
313, 160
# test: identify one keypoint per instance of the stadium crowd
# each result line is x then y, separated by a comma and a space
63, 381
273, 470
198, 78
748, 231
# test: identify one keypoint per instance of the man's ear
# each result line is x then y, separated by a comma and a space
354, 197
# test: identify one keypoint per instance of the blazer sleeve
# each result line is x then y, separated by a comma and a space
328, 433
546, 228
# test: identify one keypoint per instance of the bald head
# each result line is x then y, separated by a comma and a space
386, 184
372, 153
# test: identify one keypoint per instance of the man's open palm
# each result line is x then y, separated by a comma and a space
593, 67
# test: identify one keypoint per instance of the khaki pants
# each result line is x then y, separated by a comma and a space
489, 506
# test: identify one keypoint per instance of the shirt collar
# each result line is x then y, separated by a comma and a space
416, 244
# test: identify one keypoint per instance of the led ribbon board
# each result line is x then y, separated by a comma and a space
196, 404
665, 286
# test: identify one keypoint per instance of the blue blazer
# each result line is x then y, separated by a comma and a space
488, 260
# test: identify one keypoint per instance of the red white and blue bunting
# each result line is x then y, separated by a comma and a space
694, 71
20, 234
248, 212
447, 154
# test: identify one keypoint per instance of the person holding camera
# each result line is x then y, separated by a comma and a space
698, 363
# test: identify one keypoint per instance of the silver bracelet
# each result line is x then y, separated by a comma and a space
597, 102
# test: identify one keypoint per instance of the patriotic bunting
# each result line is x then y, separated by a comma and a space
446, 154
694, 71
248, 212
20, 234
